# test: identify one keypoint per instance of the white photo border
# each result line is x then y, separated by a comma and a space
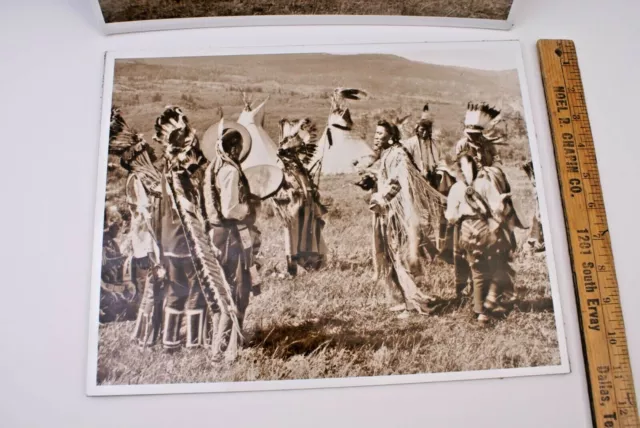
93, 389
295, 20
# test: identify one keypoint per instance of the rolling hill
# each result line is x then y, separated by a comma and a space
298, 85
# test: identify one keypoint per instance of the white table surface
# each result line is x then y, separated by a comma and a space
51, 69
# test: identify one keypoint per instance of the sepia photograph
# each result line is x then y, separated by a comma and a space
131, 10
310, 217
163, 14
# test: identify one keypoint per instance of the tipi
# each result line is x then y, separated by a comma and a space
339, 149
264, 150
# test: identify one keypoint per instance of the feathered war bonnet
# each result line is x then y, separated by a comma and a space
303, 129
340, 114
127, 143
478, 117
174, 133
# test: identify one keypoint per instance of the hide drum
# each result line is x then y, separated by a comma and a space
264, 180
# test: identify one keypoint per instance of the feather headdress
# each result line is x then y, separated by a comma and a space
340, 116
479, 116
134, 152
173, 130
426, 114
179, 139
350, 94
298, 137
341, 95
121, 137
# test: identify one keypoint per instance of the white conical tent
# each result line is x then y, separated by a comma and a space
264, 150
340, 150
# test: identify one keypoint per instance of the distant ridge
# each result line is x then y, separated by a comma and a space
392, 73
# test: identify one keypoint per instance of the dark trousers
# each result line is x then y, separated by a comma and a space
236, 270
183, 298
502, 277
489, 277
139, 270
184, 288
149, 321
462, 271
482, 278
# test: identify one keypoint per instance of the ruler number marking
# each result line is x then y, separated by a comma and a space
604, 338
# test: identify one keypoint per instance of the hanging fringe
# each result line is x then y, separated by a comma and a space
414, 214
210, 273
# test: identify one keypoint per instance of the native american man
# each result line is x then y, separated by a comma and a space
138, 246
406, 211
476, 144
482, 243
423, 149
183, 162
142, 201
425, 152
142, 190
298, 202
230, 213
113, 260
481, 247
116, 290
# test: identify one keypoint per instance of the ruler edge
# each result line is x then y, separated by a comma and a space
540, 45
583, 342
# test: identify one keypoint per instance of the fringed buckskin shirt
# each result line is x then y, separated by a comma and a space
425, 154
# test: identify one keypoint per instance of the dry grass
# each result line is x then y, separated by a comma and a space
130, 10
334, 323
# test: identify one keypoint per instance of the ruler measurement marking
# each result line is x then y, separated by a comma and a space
588, 221
602, 328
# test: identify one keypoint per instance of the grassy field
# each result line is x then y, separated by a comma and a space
130, 10
300, 86
334, 323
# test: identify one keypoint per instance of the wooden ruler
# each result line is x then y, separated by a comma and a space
611, 388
